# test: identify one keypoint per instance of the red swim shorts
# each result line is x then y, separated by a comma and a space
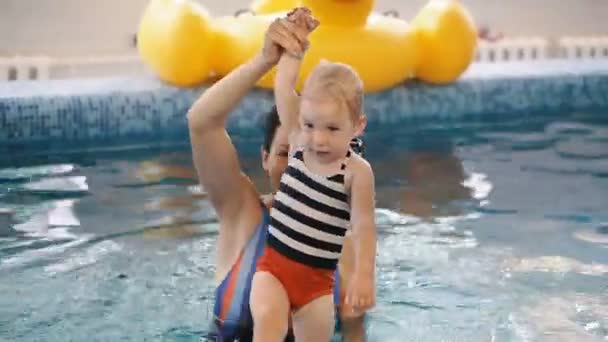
303, 283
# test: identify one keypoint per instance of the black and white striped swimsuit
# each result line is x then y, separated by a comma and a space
310, 215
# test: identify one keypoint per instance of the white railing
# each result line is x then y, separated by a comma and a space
504, 50
512, 49
591, 47
97, 66
41, 67
24, 68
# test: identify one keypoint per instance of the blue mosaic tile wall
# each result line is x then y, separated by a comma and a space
100, 111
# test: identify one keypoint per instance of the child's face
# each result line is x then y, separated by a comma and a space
327, 128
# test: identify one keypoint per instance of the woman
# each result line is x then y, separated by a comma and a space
242, 212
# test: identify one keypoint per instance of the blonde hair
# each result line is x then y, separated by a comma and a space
338, 81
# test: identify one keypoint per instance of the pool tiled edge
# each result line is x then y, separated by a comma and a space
97, 111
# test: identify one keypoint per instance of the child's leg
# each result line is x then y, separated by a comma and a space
353, 328
269, 308
315, 321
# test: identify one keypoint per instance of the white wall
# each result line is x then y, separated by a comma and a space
87, 27
67, 27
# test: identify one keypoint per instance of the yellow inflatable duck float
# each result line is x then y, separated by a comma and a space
271, 6
185, 46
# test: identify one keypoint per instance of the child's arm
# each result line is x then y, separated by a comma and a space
288, 69
362, 217
286, 98
363, 226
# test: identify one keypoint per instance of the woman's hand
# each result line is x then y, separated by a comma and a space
284, 36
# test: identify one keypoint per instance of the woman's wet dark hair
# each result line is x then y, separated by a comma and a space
272, 122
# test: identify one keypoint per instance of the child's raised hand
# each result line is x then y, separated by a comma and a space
302, 17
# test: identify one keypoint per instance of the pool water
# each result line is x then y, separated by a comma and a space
489, 231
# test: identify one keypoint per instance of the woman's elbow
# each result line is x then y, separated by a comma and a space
199, 121
195, 121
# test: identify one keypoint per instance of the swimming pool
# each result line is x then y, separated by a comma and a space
491, 229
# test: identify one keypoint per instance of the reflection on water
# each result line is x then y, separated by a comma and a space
182, 212
598, 235
569, 317
7, 221
554, 264
487, 233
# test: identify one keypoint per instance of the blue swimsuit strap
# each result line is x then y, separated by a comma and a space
238, 311
337, 287
259, 242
